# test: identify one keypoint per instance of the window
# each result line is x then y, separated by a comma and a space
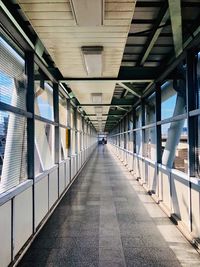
130, 141
150, 109
62, 110
138, 117
174, 145
173, 98
73, 142
139, 142
64, 139
13, 127
72, 118
44, 101
13, 150
12, 77
150, 143
44, 146
198, 120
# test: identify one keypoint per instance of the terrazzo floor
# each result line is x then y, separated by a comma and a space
107, 219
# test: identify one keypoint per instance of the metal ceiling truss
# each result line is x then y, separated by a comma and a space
161, 20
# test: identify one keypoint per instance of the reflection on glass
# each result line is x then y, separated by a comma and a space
139, 142
174, 145
150, 109
12, 77
13, 150
44, 146
198, 80
150, 143
62, 110
44, 101
64, 143
138, 117
173, 98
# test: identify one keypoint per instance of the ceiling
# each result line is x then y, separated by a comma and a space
140, 41
56, 27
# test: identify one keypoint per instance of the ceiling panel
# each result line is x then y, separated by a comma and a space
54, 23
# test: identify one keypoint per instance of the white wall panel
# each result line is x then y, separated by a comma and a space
41, 200
67, 172
23, 219
53, 187
195, 197
164, 185
180, 198
5, 234
152, 177
62, 180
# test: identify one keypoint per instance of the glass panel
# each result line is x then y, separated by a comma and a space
130, 141
174, 145
173, 99
122, 140
198, 146
72, 118
198, 80
150, 143
62, 110
138, 117
79, 122
64, 142
44, 146
13, 150
78, 142
73, 142
44, 101
130, 122
12, 77
150, 110
139, 142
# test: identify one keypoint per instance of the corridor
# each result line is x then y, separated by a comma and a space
107, 219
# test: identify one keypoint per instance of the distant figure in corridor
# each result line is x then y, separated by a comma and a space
103, 141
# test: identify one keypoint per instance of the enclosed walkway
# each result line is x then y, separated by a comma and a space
107, 219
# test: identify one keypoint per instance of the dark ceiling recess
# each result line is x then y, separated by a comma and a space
150, 44
148, 55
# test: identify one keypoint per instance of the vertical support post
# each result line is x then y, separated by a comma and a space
83, 133
143, 124
76, 134
158, 134
191, 94
69, 137
56, 119
29, 69
158, 127
119, 141
69, 124
134, 133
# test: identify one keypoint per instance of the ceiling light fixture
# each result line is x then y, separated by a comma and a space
93, 60
96, 98
88, 12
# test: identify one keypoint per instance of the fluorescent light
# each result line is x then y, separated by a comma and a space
96, 98
93, 60
88, 12
98, 110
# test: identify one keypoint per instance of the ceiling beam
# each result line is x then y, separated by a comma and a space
105, 115
176, 22
104, 121
104, 105
130, 89
126, 74
162, 19
160, 4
